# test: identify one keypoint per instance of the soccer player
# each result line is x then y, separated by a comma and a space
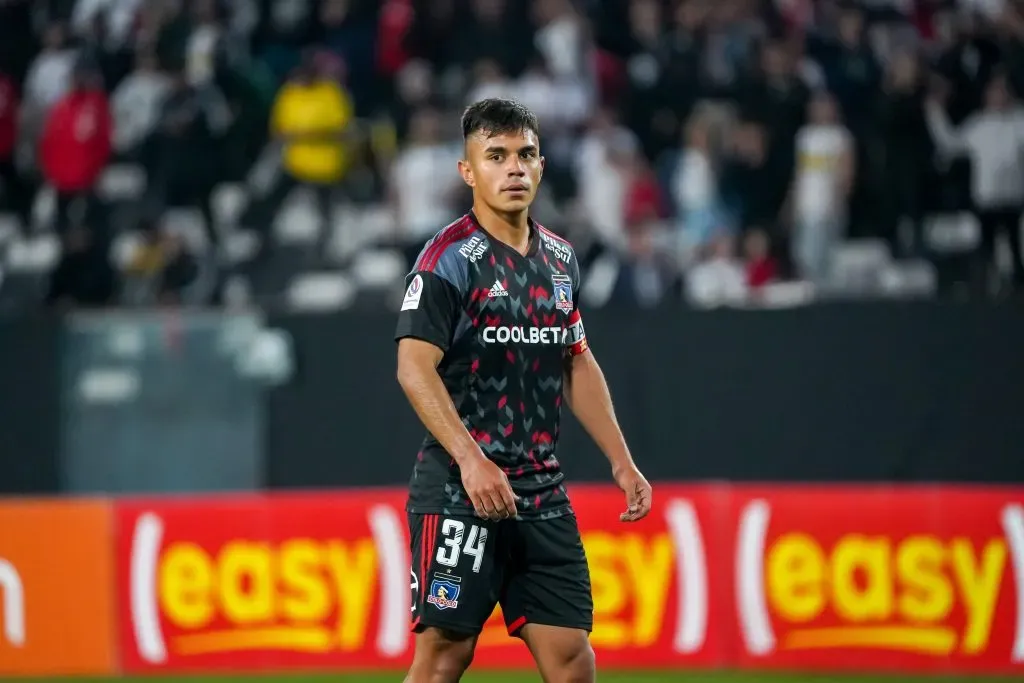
490, 343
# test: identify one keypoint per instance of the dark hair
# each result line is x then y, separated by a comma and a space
497, 116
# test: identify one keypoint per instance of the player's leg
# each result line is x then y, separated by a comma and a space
563, 655
547, 600
456, 576
441, 656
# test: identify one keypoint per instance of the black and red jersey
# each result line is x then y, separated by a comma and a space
506, 323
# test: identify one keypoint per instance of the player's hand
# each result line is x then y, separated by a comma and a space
638, 494
489, 489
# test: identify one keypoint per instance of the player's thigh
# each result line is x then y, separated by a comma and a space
456, 572
563, 655
548, 582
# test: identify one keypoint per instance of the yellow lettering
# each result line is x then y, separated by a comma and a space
610, 629
246, 584
649, 571
927, 594
979, 588
306, 596
185, 583
796, 572
354, 569
862, 578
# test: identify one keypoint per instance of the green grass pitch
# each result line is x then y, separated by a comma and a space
528, 677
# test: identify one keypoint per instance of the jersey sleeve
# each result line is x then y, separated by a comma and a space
430, 310
433, 301
575, 337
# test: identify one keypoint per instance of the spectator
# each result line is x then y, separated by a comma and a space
851, 71
696, 184
50, 75
349, 34
750, 187
602, 177
762, 267
183, 168
906, 149
423, 183
284, 29
202, 49
821, 188
500, 33
775, 97
84, 276
14, 192
136, 104
310, 120
993, 138
75, 145
489, 81
117, 17
163, 271
560, 39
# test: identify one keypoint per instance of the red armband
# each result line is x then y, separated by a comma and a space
575, 336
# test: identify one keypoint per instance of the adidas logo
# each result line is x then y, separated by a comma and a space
497, 290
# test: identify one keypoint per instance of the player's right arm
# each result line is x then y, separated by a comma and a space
430, 311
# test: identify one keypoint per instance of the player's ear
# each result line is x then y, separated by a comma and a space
466, 172
542, 162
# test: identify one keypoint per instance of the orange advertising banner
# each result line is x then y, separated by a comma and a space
56, 588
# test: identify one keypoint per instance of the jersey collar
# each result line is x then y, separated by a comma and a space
532, 245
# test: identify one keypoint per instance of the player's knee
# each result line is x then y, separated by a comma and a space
578, 665
441, 657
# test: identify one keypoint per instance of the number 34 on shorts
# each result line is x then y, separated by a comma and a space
462, 565
453, 569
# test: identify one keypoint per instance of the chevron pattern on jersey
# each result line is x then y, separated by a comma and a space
504, 371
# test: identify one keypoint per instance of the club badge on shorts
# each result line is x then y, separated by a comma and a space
444, 591
563, 292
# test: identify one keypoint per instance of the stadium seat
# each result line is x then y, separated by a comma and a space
378, 269
857, 266
190, 224
240, 246
599, 284
229, 201
10, 227
237, 291
123, 248
44, 207
36, 255
952, 233
909, 279
122, 182
297, 223
320, 292
786, 294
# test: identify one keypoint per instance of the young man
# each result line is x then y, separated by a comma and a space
490, 340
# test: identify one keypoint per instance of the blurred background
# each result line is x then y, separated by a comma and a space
299, 152
207, 208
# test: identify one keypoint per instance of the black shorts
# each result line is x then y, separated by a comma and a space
462, 566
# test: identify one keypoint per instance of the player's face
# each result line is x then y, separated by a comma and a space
504, 170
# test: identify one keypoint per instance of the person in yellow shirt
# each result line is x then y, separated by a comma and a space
310, 121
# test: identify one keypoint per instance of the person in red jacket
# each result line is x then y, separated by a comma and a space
15, 194
75, 145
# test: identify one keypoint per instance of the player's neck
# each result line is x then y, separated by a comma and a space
512, 228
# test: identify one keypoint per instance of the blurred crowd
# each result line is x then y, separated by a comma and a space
708, 151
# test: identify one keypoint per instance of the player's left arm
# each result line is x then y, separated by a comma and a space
586, 392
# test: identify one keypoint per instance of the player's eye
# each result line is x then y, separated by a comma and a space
495, 157
528, 154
